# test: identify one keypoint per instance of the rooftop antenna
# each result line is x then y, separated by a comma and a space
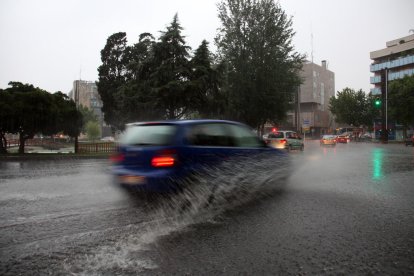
311, 45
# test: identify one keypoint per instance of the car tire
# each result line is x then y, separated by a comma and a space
302, 148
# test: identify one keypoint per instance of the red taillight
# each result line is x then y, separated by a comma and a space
163, 161
117, 158
283, 141
164, 158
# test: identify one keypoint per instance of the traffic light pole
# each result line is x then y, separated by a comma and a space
384, 96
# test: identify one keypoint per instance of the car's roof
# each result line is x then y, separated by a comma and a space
183, 122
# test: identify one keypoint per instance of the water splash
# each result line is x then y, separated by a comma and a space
215, 190
205, 195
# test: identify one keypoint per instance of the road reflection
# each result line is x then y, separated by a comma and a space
377, 157
325, 150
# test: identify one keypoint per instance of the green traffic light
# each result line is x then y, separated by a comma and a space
377, 102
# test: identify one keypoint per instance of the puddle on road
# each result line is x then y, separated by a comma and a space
205, 197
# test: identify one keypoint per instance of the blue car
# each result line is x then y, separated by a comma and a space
159, 156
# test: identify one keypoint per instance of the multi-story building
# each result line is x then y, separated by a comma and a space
85, 93
312, 114
393, 62
397, 58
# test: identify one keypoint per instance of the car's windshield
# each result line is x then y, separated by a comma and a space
151, 134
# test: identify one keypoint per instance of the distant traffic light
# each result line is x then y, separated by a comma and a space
377, 102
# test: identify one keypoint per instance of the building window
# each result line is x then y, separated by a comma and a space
323, 95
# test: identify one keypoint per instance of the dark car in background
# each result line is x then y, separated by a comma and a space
158, 156
409, 141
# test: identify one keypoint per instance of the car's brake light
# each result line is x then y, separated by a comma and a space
163, 161
164, 158
283, 141
117, 158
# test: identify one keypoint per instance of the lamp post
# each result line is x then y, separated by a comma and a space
384, 106
386, 100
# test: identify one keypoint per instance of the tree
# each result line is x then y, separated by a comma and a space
353, 107
206, 80
112, 75
255, 41
170, 81
8, 123
88, 116
93, 130
32, 110
401, 101
135, 97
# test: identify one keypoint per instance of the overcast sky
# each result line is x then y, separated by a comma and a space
50, 43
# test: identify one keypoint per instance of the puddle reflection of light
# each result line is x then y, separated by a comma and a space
325, 150
377, 158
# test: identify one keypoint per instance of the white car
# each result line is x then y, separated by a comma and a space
108, 139
285, 139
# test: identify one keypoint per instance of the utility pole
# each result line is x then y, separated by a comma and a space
384, 96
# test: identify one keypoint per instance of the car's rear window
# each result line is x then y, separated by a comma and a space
275, 135
149, 135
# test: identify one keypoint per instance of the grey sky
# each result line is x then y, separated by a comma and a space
50, 43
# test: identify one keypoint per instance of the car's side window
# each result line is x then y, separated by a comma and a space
292, 135
244, 137
210, 134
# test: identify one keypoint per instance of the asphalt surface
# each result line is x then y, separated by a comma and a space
344, 210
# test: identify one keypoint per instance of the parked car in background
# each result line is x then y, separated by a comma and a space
159, 156
328, 140
343, 138
365, 138
409, 141
285, 139
108, 139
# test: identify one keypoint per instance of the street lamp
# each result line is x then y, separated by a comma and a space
386, 100
384, 107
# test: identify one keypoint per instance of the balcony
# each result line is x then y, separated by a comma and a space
375, 79
393, 76
400, 74
392, 64
376, 91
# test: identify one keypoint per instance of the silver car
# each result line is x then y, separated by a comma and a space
285, 139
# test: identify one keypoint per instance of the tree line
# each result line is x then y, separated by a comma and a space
251, 78
358, 108
28, 110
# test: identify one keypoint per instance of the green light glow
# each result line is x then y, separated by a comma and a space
377, 158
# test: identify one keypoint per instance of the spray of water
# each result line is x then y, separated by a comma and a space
205, 195
215, 189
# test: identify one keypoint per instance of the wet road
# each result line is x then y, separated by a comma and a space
343, 210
